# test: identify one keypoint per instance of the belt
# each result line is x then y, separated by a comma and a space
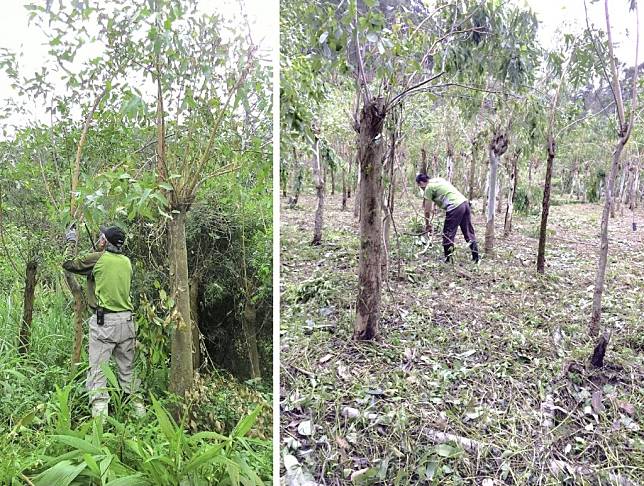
108, 311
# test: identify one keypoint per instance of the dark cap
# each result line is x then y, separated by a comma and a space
421, 178
114, 235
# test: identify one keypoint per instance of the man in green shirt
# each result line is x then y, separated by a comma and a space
457, 212
111, 328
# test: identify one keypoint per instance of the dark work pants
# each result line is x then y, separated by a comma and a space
459, 216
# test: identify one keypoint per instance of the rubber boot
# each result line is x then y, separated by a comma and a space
449, 251
99, 408
475, 251
138, 407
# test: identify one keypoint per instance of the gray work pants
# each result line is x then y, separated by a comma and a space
116, 338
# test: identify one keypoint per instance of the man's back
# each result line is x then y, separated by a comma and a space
443, 193
113, 277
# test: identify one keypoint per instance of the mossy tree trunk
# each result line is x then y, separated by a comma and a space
370, 148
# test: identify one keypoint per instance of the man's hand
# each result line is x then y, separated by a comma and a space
71, 234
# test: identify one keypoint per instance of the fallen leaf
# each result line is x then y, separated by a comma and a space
325, 358
305, 428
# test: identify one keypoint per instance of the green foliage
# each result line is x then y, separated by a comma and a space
528, 199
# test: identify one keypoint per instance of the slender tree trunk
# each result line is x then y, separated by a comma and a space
507, 227
297, 183
250, 333
635, 188
194, 317
422, 168
181, 371
486, 191
499, 202
603, 249
319, 187
545, 207
332, 181
370, 148
498, 147
472, 176
450, 162
386, 233
74, 286
344, 190
427, 205
27, 307
358, 198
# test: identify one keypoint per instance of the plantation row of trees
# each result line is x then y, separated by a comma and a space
387, 89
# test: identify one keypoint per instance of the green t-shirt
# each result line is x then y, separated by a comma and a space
443, 193
109, 279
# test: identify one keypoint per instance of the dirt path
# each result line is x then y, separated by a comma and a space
490, 353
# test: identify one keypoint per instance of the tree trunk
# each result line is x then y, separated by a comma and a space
370, 146
181, 371
450, 162
297, 183
545, 207
499, 201
603, 249
250, 333
319, 187
422, 168
386, 233
27, 307
358, 198
196, 333
332, 181
512, 189
344, 190
498, 147
635, 189
472, 173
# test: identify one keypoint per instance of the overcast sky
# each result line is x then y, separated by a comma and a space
17, 36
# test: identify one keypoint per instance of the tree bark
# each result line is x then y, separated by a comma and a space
344, 190
370, 147
194, 317
422, 168
512, 189
450, 162
319, 187
27, 307
297, 183
603, 248
545, 207
250, 333
332, 180
181, 371
472, 172
498, 147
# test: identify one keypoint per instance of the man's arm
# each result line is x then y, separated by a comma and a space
81, 265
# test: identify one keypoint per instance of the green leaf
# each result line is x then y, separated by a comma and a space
372, 36
446, 450
204, 458
246, 423
62, 474
76, 443
165, 423
134, 480
323, 37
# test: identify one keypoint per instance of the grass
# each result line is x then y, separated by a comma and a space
470, 351
47, 435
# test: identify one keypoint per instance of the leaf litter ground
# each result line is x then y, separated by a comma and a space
480, 374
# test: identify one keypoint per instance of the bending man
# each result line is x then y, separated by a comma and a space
111, 329
457, 212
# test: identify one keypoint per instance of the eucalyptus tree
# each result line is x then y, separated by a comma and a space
166, 60
625, 123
